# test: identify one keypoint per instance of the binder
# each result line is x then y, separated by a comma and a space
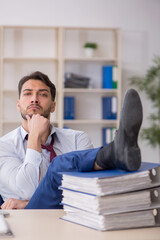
69, 108
108, 135
111, 204
138, 219
113, 199
115, 77
113, 181
109, 77
109, 107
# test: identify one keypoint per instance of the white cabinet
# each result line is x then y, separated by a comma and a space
55, 51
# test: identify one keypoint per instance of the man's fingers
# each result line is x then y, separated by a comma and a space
8, 204
28, 117
3, 206
12, 203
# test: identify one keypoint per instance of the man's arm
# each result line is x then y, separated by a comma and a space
83, 141
18, 176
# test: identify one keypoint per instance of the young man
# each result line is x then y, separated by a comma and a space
35, 105
23, 162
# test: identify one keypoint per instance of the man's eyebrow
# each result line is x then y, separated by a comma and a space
27, 89
40, 90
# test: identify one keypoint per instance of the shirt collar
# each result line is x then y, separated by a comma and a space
24, 133
53, 130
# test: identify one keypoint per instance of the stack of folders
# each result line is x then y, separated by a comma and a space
113, 199
73, 80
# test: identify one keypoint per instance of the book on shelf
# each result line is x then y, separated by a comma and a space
73, 80
109, 107
113, 199
108, 134
109, 77
69, 108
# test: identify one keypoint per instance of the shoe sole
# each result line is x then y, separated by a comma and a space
128, 152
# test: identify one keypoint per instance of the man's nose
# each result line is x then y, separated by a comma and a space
34, 99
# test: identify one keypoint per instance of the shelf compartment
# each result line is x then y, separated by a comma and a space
30, 42
92, 70
76, 38
15, 70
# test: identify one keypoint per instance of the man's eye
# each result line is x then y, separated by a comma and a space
27, 93
43, 94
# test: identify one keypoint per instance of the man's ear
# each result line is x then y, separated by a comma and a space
18, 105
53, 106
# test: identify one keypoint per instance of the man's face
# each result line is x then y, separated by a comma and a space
35, 98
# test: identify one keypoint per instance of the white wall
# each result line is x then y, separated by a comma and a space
138, 19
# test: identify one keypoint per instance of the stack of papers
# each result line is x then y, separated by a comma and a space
113, 199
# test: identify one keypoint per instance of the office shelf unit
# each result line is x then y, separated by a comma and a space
55, 51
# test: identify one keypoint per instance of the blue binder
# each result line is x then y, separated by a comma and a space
107, 77
69, 108
109, 107
116, 173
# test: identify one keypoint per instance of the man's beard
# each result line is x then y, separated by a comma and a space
45, 114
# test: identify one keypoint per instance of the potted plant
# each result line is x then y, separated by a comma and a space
90, 47
150, 84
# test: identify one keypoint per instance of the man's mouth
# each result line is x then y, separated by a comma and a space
33, 106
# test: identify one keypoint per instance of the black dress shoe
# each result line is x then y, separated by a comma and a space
124, 152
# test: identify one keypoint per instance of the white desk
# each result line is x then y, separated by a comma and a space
46, 225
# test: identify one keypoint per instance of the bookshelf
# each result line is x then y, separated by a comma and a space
55, 51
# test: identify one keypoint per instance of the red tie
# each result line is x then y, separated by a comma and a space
50, 149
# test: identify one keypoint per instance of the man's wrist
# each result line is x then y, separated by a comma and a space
34, 142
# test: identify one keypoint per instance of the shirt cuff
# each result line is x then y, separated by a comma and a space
33, 157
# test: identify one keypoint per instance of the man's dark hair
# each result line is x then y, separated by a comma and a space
41, 77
